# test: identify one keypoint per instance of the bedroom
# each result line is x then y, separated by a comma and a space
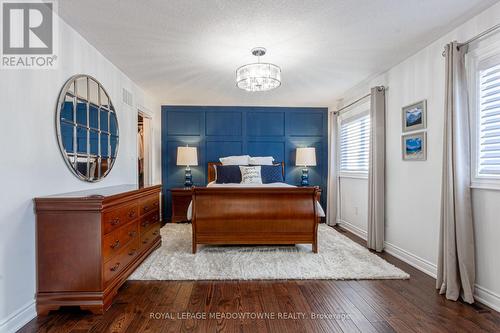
356, 174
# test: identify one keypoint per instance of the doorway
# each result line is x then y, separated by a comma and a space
143, 149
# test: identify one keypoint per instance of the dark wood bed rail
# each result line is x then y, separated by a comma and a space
255, 216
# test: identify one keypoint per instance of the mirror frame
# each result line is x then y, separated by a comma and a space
67, 159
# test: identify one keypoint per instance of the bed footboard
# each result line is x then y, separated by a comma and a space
255, 216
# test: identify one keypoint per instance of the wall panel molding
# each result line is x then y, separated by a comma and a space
220, 131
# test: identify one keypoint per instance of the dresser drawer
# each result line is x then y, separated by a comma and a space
147, 221
149, 236
117, 217
119, 262
118, 238
149, 204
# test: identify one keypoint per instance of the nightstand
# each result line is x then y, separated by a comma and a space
181, 197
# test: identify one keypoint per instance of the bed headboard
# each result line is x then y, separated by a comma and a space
211, 170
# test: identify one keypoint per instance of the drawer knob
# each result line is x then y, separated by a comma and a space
115, 267
132, 234
145, 241
146, 208
116, 244
155, 233
145, 223
131, 214
115, 221
132, 252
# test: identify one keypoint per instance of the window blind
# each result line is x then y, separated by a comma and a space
354, 144
489, 121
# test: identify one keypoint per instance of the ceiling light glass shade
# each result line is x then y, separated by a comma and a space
258, 77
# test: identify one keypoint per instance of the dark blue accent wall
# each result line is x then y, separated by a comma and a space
220, 131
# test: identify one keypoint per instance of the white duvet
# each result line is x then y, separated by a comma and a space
319, 209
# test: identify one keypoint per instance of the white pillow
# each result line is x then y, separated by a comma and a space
250, 175
235, 160
267, 160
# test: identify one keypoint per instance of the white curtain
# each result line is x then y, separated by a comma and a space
456, 263
376, 171
333, 182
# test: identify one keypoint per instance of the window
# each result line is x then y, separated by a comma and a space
354, 145
484, 87
488, 121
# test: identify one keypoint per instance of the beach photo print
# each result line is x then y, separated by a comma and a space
414, 147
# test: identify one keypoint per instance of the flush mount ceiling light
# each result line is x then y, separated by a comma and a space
258, 76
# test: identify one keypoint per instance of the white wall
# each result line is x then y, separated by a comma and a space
31, 163
353, 204
413, 188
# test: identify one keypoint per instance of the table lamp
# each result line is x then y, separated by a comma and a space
305, 157
187, 156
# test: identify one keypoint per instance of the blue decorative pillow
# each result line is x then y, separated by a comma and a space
227, 174
271, 174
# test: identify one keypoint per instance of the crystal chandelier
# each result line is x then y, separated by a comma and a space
258, 76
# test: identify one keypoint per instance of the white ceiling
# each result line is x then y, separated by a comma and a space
187, 51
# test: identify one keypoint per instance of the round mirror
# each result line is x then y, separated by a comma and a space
87, 128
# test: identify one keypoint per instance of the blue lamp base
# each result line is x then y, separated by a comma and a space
188, 178
305, 177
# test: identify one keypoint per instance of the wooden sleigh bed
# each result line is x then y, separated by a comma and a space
269, 216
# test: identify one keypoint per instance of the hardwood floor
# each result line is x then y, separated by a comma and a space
232, 306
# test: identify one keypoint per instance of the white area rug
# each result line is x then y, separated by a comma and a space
338, 258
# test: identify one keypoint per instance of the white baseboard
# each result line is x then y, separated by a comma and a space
411, 259
481, 294
408, 257
487, 297
352, 228
19, 318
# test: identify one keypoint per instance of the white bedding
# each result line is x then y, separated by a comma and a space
319, 209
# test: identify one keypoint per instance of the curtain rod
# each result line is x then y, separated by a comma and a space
379, 88
478, 36
482, 34
351, 104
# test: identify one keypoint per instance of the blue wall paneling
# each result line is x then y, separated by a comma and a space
219, 131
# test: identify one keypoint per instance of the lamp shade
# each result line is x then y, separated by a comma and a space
305, 157
187, 156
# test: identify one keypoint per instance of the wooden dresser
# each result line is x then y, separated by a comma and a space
89, 242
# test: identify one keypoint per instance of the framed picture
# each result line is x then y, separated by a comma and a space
414, 146
415, 116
